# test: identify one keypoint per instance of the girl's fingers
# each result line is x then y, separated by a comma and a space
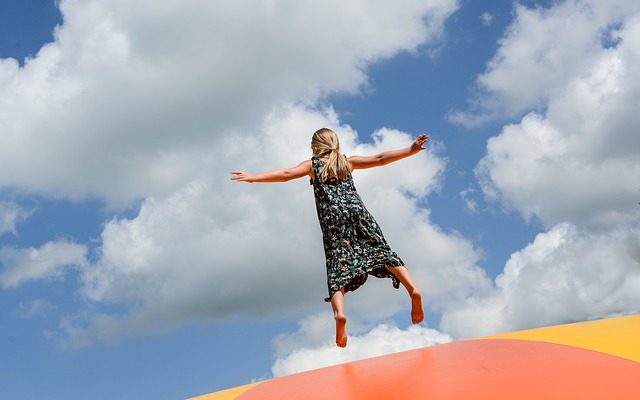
237, 175
421, 140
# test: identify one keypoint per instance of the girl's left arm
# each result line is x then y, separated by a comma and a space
389, 156
277, 175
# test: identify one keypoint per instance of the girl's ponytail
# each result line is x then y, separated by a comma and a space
325, 144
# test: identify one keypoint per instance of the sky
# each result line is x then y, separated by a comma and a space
132, 267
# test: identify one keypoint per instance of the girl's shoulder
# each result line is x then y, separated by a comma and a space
316, 161
324, 159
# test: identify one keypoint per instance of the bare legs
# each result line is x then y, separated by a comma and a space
402, 273
417, 309
337, 302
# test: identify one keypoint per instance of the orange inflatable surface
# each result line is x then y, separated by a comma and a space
590, 360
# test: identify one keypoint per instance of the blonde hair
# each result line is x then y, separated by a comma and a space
325, 144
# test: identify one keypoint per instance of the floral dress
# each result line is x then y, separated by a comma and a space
354, 246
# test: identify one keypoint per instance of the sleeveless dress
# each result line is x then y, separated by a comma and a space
354, 246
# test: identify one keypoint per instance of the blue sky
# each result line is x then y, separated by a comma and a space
131, 267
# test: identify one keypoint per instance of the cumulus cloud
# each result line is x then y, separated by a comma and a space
131, 97
573, 166
565, 275
49, 261
159, 102
569, 164
218, 248
311, 350
578, 162
541, 51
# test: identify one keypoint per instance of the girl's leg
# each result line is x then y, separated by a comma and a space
417, 309
337, 302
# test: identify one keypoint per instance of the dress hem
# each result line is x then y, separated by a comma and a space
359, 280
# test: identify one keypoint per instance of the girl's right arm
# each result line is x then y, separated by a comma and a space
277, 175
387, 157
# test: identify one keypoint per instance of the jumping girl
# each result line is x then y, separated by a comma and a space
354, 246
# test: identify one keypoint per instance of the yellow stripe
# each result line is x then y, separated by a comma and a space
229, 394
616, 336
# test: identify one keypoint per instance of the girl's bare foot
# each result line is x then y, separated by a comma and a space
341, 331
417, 309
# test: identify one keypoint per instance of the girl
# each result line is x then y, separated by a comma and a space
353, 242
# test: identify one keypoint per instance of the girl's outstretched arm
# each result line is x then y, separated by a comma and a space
277, 175
386, 157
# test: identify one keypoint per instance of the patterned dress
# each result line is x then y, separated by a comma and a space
354, 246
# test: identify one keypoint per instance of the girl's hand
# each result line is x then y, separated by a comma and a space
241, 176
419, 143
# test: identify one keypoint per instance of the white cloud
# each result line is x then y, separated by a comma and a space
541, 51
46, 262
574, 167
218, 248
159, 101
12, 213
565, 275
312, 351
580, 161
132, 97
471, 205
